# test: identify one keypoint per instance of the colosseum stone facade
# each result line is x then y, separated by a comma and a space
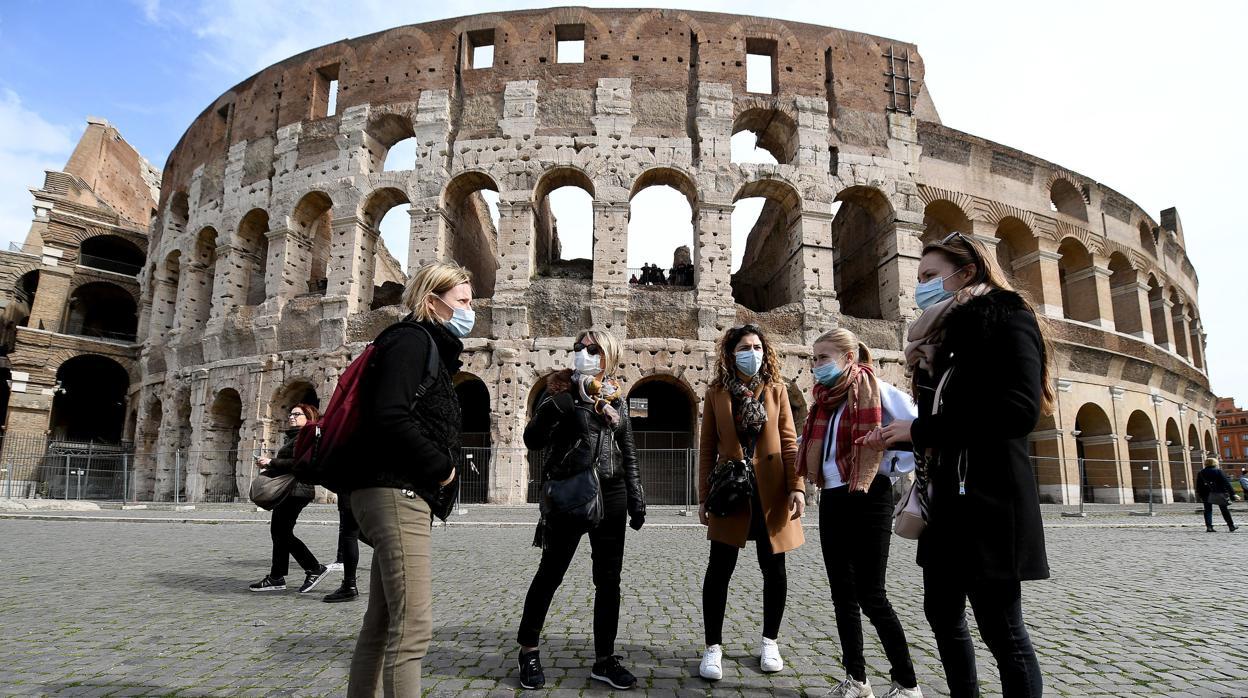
266, 272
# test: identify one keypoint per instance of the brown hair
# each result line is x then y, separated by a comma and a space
769, 371
846, 342
309, 411
963, 251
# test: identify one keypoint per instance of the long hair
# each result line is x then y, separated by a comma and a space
846, 342
436, 279
309, 411
727, 368
963, 251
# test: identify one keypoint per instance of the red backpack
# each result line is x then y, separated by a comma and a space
324, 452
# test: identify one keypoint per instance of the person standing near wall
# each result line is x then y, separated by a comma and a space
1214, 487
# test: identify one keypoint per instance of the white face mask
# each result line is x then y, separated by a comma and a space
586, 363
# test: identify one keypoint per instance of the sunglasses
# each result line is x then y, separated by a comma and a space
966, 239
593, 349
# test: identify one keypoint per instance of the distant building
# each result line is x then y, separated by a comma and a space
1232, 431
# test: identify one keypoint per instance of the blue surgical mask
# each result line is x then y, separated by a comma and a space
749, 361
462, 319
932, 291
828, 374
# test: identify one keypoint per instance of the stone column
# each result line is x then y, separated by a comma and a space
815, 268
714, 123
349, 262
712, 263
899, 253
48, 310
613, 108
515, 272
227, 284
1038, 271
1181, 333
610, 265
1161, 313
1104, 304
286, 273
519, 109
1197, 345
1130, 304
430, 228
190, 291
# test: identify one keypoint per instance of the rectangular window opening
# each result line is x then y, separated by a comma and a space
570, 43
481, 49
760, 66
325, 92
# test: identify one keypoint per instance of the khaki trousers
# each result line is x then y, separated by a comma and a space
398, 624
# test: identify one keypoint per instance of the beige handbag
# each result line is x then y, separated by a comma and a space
910, 515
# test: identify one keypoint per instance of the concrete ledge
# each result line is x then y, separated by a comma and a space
47, 505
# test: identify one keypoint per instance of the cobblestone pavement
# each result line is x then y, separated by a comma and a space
95, 608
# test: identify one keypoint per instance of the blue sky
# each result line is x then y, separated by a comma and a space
1143, 96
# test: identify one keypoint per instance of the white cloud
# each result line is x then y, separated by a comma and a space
29, 144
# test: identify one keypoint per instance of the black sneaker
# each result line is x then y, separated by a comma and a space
313, 578
346, 592
269, 584
611, 671
531, 675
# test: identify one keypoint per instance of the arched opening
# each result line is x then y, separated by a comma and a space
1016, 253
1157, 309
165, 296
660, 230
219, 459
24, 296
1065, 198
1178, 324
104, 310
942, 217
112, 253
564, 224
1148, 238
769, 130
253, 256
1180, 483
1078, 281
474, 462
1211, 448
1145, 468
203, 279
387, 214
471, 204
391, 143
863, 219
1095, 447
89, 400
766, 276
663, 412
311, 223
179, 214
294, 392
1196, 454
1196, 342
1125, 295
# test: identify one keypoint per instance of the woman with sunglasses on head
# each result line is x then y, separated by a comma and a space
856, 503
982, 376
286, 513
581, 423
746, 414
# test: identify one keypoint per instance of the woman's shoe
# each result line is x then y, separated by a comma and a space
899, 691
346, 592
769, 659
313, 578
610, 671
851, 688
531, 674
712, 666
269, 583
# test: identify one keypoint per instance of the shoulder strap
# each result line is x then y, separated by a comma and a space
433, 361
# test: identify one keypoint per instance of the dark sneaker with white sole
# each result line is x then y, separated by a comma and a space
313, 578
346, 592
269, 584
610, 670
531, 674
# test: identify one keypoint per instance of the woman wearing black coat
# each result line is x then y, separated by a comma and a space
286, 513
583, 423
980, 362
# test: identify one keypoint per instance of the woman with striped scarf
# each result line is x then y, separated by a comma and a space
855, 508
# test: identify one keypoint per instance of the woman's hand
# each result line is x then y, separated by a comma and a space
263, 462
797, 504
703, 517
449, 479
873, 440
896, 432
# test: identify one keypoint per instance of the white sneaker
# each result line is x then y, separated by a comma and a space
333, 567
899, 691
769, 657
712, 666
849, 688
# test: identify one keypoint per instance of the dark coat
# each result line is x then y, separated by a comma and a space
405, 442
576, 438
990, 404
1210, 480
284, 462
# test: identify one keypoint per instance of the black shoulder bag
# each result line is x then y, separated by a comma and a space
732, 484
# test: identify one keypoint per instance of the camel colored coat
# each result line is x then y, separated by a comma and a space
775, 459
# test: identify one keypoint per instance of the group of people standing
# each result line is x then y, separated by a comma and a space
980, 363
652, 274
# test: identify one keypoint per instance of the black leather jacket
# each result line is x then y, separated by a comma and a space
574, 438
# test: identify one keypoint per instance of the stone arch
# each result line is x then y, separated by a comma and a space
548, 247
476, 434
293, 391
201, 277
544, 30
1144, 456
382, 133
89, 400
382, 273
311, 222
25, 285
219, 460
253, 251
1078, 282
1096, 446
942, 217
664, 432
505, 33
1017, 252
1181, 481
110, 252
864, 221
1148, 237
102, 309
769, 275
773, 125
1124, 288
177, 215
676, 188
1066, 197
472, 234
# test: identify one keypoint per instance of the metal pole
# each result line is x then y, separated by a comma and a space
688, 478
1150, 490
8, 480
125, 482
66, 476
1082, 489
177, 467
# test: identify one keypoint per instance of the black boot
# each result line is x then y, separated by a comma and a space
346, 592
1209, 529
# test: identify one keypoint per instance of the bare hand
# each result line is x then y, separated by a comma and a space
263, 462
703, 517
896, 432
873, 440
797, 504
449, 479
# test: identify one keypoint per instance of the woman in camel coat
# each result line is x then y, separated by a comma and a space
746, 412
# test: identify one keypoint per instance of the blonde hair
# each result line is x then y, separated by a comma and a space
1212, 463
846, 342
436, 278
610, 347
726, 370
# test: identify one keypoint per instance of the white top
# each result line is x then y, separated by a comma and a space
895, 405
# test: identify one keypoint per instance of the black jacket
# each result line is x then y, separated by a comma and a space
991, 403
284, 462
576, 438
405, 442
1210, 480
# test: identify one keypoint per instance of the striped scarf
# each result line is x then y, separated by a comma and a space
857, 465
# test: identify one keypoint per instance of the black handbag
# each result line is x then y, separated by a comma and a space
574, 501
732, 487
267, 491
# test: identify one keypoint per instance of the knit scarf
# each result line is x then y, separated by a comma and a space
927, 332
749, 414
859, 391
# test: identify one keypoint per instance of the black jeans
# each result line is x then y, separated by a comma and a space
285, 544
719, 571
348, 540
606, 541
854, 533
998, 607
1226, 515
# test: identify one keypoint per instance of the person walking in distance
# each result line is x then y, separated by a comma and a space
1214, 488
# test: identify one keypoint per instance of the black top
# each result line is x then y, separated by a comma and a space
406, 442
991, 403
1210, 480
284, 462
